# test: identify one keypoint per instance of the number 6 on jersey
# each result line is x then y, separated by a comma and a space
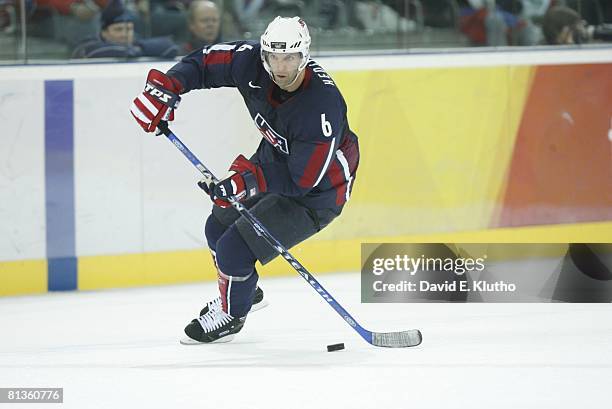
326, 126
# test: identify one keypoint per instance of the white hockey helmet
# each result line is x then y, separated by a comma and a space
286, 35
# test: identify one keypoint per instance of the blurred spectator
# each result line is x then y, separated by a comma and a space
74, 20
536, 8
333, 14
247, 14
251, 15
204, 23
116, 38
376, 17
501, 23
529, 14
564, 26
246, 11
341, 14
8, 16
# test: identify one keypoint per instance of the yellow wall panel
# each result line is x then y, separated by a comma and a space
23, 277
435, 146
110, 271
318, 256
132, 270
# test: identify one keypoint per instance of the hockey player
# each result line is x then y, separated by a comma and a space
300, 176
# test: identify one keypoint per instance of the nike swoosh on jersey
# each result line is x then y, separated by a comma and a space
253, 85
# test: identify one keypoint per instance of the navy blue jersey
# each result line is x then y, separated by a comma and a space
308, 151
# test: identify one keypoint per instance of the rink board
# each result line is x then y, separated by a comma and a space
483, 144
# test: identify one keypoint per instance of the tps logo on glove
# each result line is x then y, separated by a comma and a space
156, 102
222, 192
158, 94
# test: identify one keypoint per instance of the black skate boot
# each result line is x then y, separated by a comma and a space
214, 326
258, 303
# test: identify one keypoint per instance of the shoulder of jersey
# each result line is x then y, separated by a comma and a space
321, 82
322, 89
249, 49
321, 108
246, 59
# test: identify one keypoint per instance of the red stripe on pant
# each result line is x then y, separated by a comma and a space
224, 290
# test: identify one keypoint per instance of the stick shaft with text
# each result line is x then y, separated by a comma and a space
397, 339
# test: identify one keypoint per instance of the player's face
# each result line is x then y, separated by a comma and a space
284, 67
120, 33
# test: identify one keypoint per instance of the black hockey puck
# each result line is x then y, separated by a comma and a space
335, 347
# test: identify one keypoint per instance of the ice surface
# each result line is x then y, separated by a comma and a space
120, 349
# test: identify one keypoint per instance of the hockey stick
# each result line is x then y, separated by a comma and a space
399, 339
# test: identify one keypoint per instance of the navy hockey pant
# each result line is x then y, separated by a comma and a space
235, 264
236, 246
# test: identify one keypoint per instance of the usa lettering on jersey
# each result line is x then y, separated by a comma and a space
273, 137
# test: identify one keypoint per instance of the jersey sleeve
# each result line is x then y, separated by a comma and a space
214, 66
310, 153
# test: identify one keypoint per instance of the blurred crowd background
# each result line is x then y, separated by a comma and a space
60, 30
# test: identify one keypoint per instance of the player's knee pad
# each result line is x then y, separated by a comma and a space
234, 257
213, 230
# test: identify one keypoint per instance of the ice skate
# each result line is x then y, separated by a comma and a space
215, 326
258, 302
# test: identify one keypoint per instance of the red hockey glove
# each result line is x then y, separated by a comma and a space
245, 180
157, 102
